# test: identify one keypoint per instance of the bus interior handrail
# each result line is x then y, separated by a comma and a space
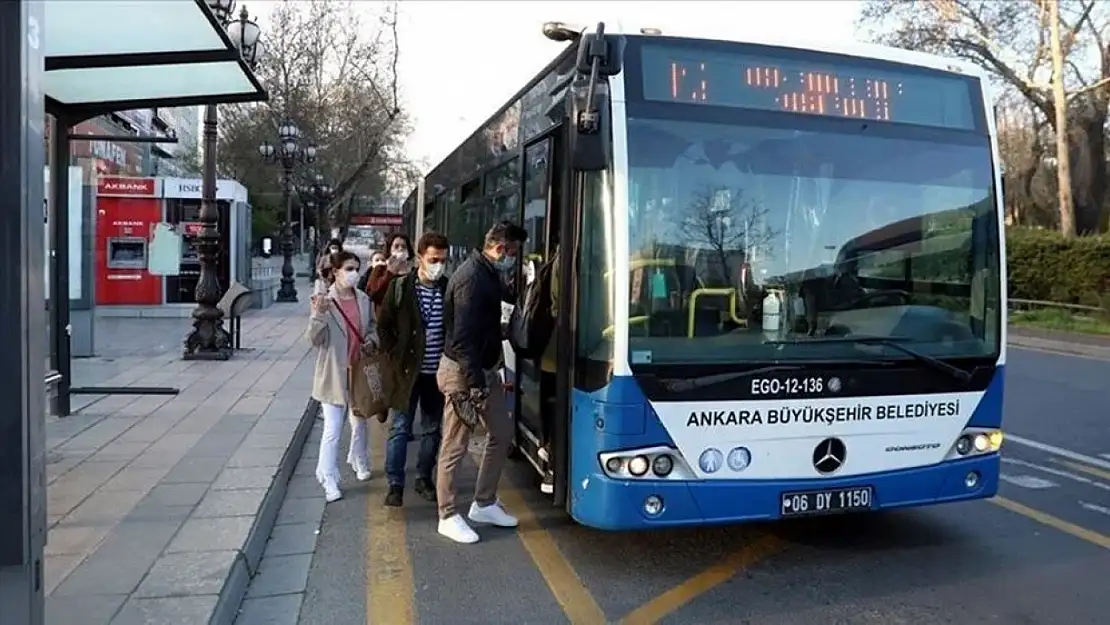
692, 306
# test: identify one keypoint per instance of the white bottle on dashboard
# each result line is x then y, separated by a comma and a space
772, 314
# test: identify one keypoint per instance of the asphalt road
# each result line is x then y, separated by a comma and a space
1037, 554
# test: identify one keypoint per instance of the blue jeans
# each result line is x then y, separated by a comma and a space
426, 396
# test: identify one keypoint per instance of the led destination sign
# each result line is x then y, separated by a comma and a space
826, 87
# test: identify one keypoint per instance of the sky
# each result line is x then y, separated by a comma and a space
461, 60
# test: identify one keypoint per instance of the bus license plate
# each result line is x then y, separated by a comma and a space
826, 501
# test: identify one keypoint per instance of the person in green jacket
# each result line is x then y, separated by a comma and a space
411, 330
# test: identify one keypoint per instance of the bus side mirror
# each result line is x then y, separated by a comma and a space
599, 56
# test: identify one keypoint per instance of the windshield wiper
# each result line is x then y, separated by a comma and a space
895, 343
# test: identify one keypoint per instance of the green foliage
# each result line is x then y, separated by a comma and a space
1044, 265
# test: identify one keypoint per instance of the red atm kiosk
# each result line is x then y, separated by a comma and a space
127, 211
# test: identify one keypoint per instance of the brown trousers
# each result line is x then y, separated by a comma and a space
456, 439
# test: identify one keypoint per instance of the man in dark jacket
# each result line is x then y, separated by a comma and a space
469, 372
411, 328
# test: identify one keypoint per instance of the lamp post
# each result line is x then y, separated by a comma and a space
316, 197
289, 153
208, 339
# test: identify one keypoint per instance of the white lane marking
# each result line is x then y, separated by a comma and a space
1094, 507
1058, 473
1059, 451
1028, 481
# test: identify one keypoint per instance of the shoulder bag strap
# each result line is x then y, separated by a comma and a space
350, 326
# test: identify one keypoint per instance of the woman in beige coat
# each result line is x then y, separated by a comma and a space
341, 327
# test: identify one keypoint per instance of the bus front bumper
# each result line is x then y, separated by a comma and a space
604, 503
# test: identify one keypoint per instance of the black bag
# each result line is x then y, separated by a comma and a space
531, 324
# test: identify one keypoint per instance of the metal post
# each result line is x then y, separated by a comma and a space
288, 290
208, 339
22, 300
60, 357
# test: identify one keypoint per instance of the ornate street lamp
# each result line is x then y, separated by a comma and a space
289, 153
316, 197
208, 339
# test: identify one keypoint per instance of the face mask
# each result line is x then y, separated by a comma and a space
506, 263
434, 270
349, 277
334, 250
401, 255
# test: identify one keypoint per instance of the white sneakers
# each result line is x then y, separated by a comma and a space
455, 528
331, 490
458, 530
362, 472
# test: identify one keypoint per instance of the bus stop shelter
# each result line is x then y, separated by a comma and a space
73, 61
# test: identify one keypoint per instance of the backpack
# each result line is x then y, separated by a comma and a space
532, 322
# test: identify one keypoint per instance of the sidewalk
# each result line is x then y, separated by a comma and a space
1067, 342
159, 506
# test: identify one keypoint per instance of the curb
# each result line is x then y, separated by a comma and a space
247, 559
1058, 346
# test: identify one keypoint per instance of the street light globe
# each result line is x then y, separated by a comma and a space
221, 8
310, 151
244, 34
266, 149
289, 147
288, 131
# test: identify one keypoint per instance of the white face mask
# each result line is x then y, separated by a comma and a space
434, 270
401, 255
349, 277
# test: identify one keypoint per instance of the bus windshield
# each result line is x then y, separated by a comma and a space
837, 230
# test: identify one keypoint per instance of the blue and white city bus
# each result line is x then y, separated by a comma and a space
784, 292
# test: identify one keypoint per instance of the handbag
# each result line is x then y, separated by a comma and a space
467, 409
364, 377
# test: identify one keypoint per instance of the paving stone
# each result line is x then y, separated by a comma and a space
179, 574
214, 534
254, 477
193, 470
279, 610
136, 478
177, 610
119, 450
302, 510
68, 539
57, 568
227, 503
281, 575
105, 507
121, 562
93, 610
280, 441
172, 494
153, 511
292, 539
256, 457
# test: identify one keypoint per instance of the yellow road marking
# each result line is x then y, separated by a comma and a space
1044, 518
1101, 473
389, 583
653, 611
570, 593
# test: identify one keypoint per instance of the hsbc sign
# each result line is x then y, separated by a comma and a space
127, 187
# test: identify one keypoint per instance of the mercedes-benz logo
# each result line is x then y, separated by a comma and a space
829, 455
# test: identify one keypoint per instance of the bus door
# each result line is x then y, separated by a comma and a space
541, 222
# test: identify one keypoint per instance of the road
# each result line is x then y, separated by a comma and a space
1037, 554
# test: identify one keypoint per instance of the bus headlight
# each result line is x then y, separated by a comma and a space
662, 465
638, 466
976, 441
660, 462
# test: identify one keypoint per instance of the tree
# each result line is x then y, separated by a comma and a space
729, 225
335, 76
1013, 41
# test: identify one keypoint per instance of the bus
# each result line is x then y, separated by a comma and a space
783, 292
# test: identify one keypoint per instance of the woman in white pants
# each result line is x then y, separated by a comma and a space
341, 327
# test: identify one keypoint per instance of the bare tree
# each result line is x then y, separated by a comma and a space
1012, 40
333, 72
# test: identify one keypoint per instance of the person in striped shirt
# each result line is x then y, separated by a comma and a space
410, 324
